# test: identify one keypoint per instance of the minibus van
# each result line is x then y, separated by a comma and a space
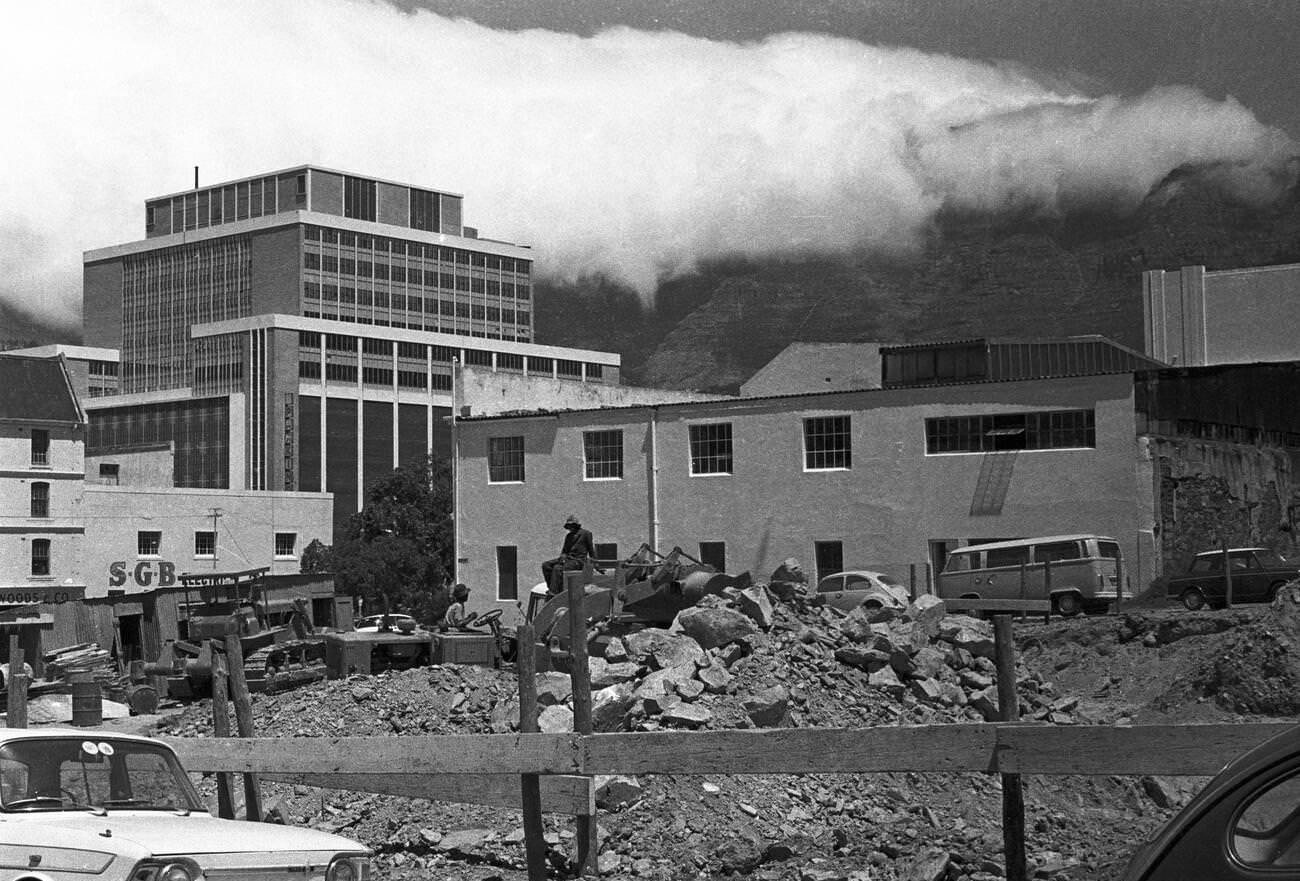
1086, 571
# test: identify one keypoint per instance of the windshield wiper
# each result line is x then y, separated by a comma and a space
33, 802
132, 803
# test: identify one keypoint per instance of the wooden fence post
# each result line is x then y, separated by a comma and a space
530, 785
16, 710
243, 715
580, 675
1047, 589
911, 577
1024, 588
1013, 794
221, 728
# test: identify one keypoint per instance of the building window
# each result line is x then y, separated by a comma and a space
205, 544
603, 454
40, 446
108, 473
714, 553
286, 544
506, 459
40, 556
711, 448
40, 499
1047, 430
829, 556
507, 572
358, 198
827, 443
148, 544
424, 210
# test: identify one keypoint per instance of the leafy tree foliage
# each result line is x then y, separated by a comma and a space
397, 551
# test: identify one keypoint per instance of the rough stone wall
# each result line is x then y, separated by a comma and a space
1211, 492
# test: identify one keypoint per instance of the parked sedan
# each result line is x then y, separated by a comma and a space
1245, 824
1257, 573
862, 587
78, 804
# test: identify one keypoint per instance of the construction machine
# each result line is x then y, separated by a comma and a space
278, 641
647, 589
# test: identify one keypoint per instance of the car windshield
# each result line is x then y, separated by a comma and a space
64, 773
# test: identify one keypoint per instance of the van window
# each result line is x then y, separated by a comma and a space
1052, 552
962, 562
998, 557
1108, 549
1206, 564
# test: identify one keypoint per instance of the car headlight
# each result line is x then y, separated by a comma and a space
172, 870
348, 868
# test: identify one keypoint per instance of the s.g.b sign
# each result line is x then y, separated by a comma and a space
159, 573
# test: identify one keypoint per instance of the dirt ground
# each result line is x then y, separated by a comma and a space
1149, 664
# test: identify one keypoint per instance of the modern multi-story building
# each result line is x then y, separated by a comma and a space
299, 330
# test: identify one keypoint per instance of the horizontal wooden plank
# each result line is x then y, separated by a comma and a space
427, 754
561, 794
1015, 605
794, 750
1192, 750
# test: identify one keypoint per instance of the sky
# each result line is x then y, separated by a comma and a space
635, 139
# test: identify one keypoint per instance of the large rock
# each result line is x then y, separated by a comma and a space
685, 715
555, 720
610, 705
978, 641
462, 841
715, 627
658, 648
665, 681
604, 674
926, 611
715, 677
930, 662
861, 657
553, 688
755, 602
616, 651
886, 680
929, 865
617, 791
769, 708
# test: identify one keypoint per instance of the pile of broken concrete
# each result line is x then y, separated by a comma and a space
741, 660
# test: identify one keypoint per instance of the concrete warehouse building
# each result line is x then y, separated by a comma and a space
959, 442
297, 330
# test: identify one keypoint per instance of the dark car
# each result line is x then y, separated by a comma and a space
1257, 573
1245, 824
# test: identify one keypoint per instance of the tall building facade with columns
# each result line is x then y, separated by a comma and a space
298, 330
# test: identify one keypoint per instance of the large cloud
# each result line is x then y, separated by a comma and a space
629, 153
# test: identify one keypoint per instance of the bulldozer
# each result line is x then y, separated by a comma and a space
647, 589
279, 644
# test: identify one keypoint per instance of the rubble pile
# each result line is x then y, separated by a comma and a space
763, 657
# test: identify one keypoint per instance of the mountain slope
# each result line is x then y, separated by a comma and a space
977, 276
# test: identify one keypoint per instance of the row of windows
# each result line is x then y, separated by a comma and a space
378, 376
331, 293
310, 341
521, 334
149, 543
217, 205
827, 442
402, 247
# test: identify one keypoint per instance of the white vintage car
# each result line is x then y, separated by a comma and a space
91, 805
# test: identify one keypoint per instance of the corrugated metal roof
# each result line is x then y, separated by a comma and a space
36, 389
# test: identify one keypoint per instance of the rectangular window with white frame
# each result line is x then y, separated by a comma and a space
827, 443
506, 459
711, 448
205, 544
40, 499
286, 545
40, 446
602, 453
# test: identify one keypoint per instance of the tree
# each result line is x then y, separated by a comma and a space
396, 553
316, 557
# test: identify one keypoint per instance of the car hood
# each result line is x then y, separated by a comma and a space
164, 833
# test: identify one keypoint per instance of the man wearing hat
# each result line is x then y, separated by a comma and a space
578, 546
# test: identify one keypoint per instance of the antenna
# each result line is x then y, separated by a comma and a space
196, 177
215, 513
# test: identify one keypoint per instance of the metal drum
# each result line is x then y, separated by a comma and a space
87, 701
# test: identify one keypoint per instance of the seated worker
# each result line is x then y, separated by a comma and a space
456, 617
578, 546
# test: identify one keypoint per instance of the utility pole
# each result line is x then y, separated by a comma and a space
216, 512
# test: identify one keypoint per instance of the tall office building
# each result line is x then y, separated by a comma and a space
297, 330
